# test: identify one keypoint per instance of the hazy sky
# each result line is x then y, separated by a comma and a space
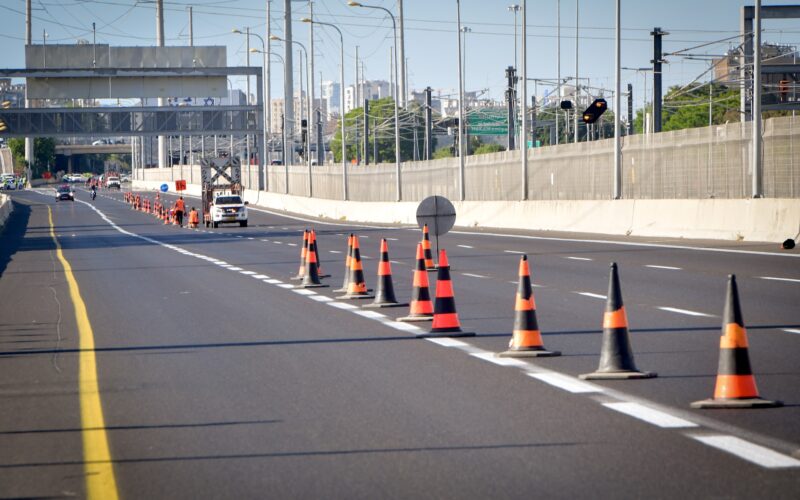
430, 35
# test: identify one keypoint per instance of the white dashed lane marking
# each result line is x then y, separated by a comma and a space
473, 275
513, 251
668, 268
791, 280
649, 415
466, 246
685, 312
749, 451
569, 384
578, 258
789, 330
593, 295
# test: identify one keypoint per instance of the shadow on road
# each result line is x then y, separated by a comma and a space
13, 233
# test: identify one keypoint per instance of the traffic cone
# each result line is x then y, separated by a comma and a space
421, 306
348, 257
426, 247
301, 272
384, 296
527, 339
166, 217
736, 386
357, 288
319, 262
311, 276
616, 355
445, 317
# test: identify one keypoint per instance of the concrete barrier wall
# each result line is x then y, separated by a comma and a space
764, 219
6, 206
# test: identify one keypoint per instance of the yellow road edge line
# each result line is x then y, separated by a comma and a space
98, 468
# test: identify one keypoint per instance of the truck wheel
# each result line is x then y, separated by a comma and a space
243, 223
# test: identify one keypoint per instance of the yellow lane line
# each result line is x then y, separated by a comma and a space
98, 468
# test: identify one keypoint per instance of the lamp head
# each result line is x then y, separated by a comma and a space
306, 20
237, 31
351, 3
275, 37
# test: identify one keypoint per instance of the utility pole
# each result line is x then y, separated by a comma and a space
657, 33
511, 98
402, 54
310, 78
558, 64
617, 105
523, 101
757, 184
577, 81
191, 27
268, 94
461, 174
162, 143
247, 102
288, 83
356, 100
630, 109
428, 119
366, 132
29, 151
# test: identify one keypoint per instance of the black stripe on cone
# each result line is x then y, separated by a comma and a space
421, 306
527, 339
301, 271
426, 247
311, 277
357, 288
445, 318
319, 262
384, 296
616, 355
736, 385
348, 256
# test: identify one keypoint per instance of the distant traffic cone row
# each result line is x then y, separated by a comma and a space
357, 287
526, 340
616, 355
426, 247
384, 296
445, 318
421, 308
736, 385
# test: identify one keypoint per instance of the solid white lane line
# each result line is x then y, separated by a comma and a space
273, 281
751, 452
513, 251
491, 358
288, 286
669, 268
249, 273
473, 275
303, 291
342, 305
789, 330
444, 341
792, 280
260, 276
234, 268
593, 295
578, 258
649, 415
466, 246
685, 311
569, 384
403, 327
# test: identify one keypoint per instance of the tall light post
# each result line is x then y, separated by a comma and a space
515, 9
269, 117
341, 100
617, 106
524, 104
461, 189
397, 95
465, 30
308, 99
265, 139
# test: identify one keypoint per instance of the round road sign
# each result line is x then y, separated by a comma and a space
164, 188
438, 213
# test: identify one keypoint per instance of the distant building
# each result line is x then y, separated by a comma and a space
12, 92
330, 92
369, 89
727, 68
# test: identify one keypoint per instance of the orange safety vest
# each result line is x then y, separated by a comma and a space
193, 217
180, 206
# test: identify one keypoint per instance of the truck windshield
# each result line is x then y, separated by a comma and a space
228, 200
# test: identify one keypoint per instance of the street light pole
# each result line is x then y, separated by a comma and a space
341, 101
397, 95
461, 190
262, 176
515, 9
524, 104
617, 108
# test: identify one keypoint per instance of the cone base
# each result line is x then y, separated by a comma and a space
385, 304
324, 275
413, 319
528, 353
340, 290
312, 285
353, 297
735, 403
444, 334
617, 375
296, 278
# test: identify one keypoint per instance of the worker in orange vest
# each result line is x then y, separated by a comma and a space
180, 208
194, 220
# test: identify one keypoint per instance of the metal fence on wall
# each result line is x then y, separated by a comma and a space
707, 162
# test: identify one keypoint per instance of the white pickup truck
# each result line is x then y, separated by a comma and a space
113, 183
228, 208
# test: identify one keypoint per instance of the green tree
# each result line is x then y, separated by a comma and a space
687, 107
488, 148
443, 153
381, 116
44, 153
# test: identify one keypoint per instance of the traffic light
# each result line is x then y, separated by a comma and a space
593, 112
783, 90
566, 105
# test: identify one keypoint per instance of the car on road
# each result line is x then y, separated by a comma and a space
65, 192
228, 208
113, 183
8, 181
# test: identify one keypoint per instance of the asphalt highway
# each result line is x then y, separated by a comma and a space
197, 371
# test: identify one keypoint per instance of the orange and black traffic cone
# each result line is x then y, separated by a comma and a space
426, 247
736, 385
301, 272
319, 262
311, 276
616, 355
347, 259
421, 306
384, 296
526, 341
357, 288
166, 217
445, 317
